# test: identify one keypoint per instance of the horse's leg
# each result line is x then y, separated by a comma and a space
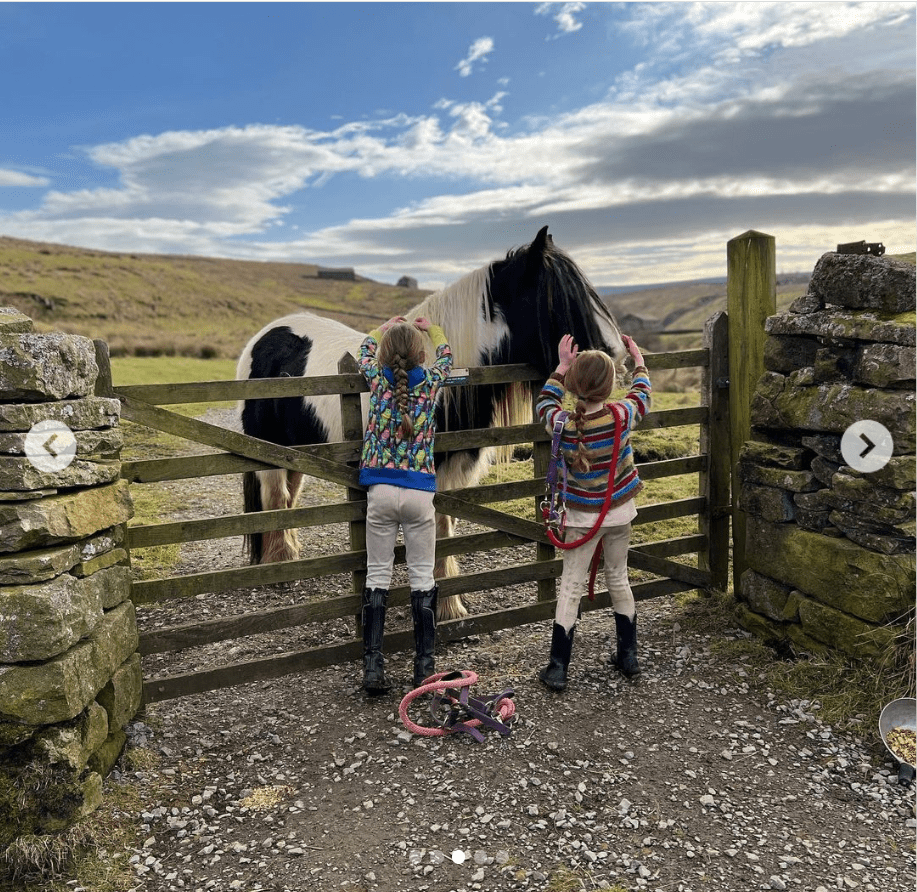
450, 607
278, 545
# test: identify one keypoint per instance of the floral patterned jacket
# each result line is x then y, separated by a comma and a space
387, 457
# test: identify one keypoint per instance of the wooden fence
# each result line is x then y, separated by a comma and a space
336, 462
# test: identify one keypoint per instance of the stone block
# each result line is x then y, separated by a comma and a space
898, 474
825, 445
885, 365
824, 470
44, 693
786, 354
40, 621
90, 413
782, 478
840, 631
774, 455
884, 538
104, 758
834, 364
870, 586
118, 576
64, 517
864, 281
775, 505
765, 595
73, 743
122, 696
807, 303
14, 322
98, 444
858, 488
769, 631
814, 520
91, 790
848, 325
803, 643
41, 367
832, 408
20, 475
80, 558
38, 565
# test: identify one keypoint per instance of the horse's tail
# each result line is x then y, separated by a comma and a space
253, 543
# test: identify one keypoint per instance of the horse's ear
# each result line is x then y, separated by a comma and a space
542, 239
536, 250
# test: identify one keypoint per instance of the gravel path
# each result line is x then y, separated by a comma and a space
696, 777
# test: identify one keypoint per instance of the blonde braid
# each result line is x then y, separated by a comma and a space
401, 349
581, 458
402, 399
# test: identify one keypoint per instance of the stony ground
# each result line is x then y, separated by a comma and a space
695, 777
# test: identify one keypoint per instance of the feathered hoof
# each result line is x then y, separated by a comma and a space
450, 608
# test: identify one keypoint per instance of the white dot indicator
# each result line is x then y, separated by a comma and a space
458, 856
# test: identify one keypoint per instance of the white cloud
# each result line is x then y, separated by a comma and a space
565, 17
16, 178
477, 52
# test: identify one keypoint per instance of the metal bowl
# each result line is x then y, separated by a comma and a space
900, 713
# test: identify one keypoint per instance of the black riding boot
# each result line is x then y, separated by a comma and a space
554, 675
626, 658
423, 612
373, 619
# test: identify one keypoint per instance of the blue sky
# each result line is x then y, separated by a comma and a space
425, 139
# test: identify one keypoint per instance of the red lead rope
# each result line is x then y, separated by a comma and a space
597, 554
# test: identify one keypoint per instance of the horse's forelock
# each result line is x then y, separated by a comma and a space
577, 304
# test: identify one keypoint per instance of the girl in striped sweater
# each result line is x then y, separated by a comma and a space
588, 446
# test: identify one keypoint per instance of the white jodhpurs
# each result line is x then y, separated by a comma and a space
575, 576
387, 509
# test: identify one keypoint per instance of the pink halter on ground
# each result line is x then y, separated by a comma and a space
455, 711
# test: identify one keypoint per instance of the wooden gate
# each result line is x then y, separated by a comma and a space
337, 463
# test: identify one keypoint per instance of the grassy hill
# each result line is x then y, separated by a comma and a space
149, 304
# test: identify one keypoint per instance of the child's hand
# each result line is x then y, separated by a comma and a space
393, 321
422, 324
633, 349
566, 353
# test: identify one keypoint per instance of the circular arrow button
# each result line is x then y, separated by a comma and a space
50, 446
867, 446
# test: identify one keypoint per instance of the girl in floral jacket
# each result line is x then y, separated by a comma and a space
397, 468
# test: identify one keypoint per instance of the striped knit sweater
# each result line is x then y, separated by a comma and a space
586, 490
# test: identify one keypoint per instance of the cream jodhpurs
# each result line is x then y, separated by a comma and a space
575, 575
387, 508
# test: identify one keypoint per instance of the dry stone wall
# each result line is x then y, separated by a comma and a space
69, 669
830, 550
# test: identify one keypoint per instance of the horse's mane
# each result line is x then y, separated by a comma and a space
457, 309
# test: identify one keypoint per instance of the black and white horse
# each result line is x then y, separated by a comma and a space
513, 310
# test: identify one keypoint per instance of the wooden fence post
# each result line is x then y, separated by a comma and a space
751, 298
352, 429
714, 481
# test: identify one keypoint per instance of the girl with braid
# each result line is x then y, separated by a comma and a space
397, 468
595, 442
